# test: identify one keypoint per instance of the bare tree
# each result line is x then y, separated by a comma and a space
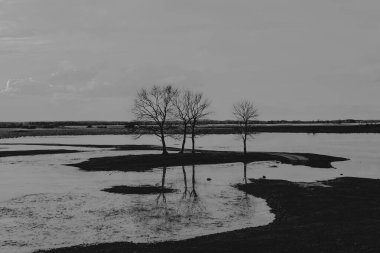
182, 104
157, 105
199, 109
244, 112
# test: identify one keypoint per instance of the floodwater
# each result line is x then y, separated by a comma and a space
45, 204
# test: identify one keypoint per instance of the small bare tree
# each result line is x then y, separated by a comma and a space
199, 109
244, 112
157, 105
182, 105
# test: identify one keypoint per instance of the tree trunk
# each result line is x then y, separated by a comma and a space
184, 138
245, 146
192, 141
164, 151
245, 137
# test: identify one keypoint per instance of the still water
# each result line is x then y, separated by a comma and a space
45, 204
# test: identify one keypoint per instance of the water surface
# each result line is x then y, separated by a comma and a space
46, 204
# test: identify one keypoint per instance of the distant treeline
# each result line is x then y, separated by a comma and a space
131, 124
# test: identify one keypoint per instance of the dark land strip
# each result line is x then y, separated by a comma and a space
344, 217
150, 161
36, 152
203, 129
142, 189
115, 147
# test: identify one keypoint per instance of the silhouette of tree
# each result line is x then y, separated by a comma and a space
244, 112
199, 109
157, 105
182, 104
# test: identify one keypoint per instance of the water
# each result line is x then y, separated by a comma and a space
362, 150
45, 204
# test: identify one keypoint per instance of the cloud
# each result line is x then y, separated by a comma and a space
100, 81
26, 86
280, 53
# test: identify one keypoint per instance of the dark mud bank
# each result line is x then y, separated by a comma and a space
36, 152
142, 189
150, 161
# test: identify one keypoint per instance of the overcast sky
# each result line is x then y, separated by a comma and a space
86, 59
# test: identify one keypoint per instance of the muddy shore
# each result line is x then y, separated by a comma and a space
344, 217
150, 161
142, 189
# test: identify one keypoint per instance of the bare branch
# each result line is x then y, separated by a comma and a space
198, 110
244, 112
156, 105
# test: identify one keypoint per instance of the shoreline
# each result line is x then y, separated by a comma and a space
150, 161
145, 162
344, 217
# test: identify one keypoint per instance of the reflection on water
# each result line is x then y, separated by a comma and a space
45, 204
361, 149
245, 172
62, 206
161, 195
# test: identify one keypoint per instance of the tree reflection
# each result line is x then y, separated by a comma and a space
161, 196
185, 191
244, 204
193, 192
246, 198
190, 205
245, 172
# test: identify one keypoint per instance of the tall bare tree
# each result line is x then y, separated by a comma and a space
182, 104
157, 105
244, 112
199, 109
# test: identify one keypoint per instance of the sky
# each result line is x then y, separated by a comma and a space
86, 59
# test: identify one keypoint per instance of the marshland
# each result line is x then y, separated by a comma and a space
50, 201
189, 126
